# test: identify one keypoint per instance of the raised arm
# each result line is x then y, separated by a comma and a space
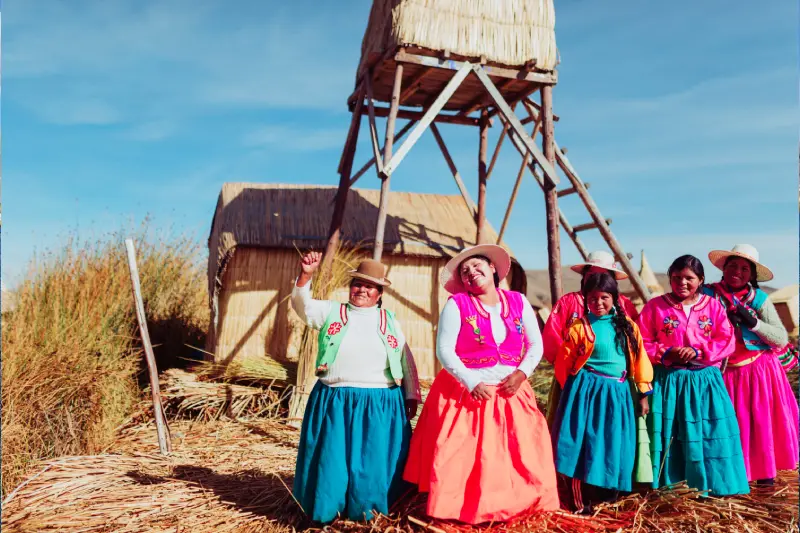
312, 312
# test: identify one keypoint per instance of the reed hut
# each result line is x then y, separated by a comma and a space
259, 232
786, 302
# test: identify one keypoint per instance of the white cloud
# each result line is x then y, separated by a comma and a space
156, 130
78, 112
295, 138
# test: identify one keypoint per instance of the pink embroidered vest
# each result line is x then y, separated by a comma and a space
475, 345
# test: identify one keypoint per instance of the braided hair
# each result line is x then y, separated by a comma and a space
605, 282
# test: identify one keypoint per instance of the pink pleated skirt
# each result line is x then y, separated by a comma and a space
482, 461
767, 411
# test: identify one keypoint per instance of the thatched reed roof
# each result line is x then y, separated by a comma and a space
298, 216
507, 32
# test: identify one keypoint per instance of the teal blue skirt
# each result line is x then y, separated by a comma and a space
594, 434
694, 433
353, 448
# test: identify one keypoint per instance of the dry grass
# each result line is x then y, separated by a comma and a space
236, 476
70, 345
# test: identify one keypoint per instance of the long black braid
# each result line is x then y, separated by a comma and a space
605, 282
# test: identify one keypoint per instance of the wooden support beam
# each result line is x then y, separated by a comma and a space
473, 208
348, 153
540, 180
482, 176
363, 170
428, 117
380, 227
616, 248
571, 190
550, 196
529, 102
481, 100
589, 225
497, 72
373, 128
415, 84
496, 152
526, 158
417, 115
516, 127
519, 97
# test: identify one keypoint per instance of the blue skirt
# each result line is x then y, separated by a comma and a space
353, 448
594, 434
694, 433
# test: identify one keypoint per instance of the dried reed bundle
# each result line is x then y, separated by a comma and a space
185, 395
510, 32
233, 476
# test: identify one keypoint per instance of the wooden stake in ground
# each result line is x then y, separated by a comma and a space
164, 443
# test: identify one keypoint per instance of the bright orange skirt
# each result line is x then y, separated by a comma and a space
482, 461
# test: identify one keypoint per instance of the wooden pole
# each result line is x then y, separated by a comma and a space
363, 170
551, 196
373, 127
540, 180
482, 172
334, 232
380, 227
473, 209
164, 442
526, 157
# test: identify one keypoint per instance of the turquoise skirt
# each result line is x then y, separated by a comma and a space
694, 434
594, 433
353, 448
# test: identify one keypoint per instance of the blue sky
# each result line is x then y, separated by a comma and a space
683, 116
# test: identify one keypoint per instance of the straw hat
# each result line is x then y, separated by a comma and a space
451, 280
602, 260
745, 251
372, 271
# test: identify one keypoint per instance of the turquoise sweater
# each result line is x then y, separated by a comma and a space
606, 356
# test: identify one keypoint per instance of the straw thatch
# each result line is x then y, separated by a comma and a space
507, 32
254, 249
231, 476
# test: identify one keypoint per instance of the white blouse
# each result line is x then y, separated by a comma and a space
449, 327
361, 360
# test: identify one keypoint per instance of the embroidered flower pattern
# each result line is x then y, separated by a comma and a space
473, 322
520, 327
321, 369
670, 323
392, 341
334, 328
705, 324
572, 319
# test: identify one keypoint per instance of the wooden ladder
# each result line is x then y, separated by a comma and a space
578, 187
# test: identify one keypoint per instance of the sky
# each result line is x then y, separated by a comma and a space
682, 115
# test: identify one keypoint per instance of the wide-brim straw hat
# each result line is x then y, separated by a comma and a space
601, 259
745, 251
372, 271
500, 258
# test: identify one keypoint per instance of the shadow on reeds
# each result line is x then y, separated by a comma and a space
173, 339
251, 491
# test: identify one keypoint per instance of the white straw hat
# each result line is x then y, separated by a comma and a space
501, 259
745, 251
602, 260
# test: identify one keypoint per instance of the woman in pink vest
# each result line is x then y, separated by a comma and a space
481, 448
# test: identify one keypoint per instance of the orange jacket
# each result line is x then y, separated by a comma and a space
578, 347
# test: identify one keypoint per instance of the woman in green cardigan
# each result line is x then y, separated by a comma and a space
356, 428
